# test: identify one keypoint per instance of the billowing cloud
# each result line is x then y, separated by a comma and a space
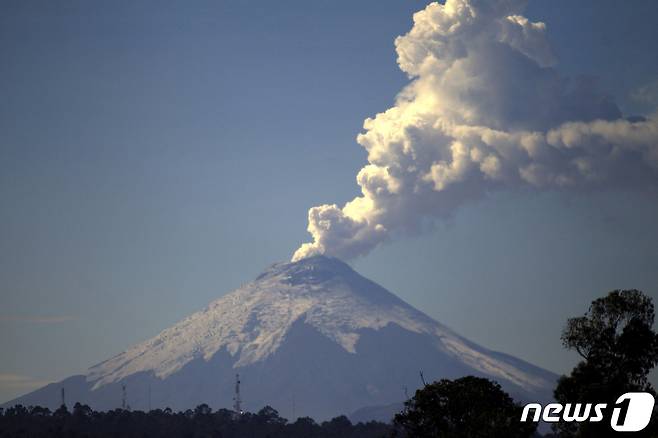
485, 110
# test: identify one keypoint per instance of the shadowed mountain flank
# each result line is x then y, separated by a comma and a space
310, 338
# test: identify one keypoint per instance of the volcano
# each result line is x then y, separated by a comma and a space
310, 338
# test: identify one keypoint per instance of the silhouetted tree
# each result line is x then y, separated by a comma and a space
304, 426
201, 410
271, 416
619, 348
339, 426
470, 407
37, 411
81, 411
18, 411
61, 412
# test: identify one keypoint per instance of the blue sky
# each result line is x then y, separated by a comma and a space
156, 155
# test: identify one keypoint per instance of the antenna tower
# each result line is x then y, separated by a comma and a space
123, 396
63, 397
237, 401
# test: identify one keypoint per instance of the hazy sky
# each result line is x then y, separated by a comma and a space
156, 155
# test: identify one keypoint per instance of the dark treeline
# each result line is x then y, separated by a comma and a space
201, 422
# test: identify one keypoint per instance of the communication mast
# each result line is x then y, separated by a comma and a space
123, 396
406, 399
237, 401
63, 397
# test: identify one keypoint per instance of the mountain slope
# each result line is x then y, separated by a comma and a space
309, 338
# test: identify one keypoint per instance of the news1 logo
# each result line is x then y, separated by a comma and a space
631, 412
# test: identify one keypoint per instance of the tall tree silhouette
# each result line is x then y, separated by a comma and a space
618, 346
470, 407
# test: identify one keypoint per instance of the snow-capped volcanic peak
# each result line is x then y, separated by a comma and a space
253, 321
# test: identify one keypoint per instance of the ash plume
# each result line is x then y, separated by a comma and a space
485, 110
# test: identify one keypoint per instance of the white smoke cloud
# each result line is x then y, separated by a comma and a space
485, 110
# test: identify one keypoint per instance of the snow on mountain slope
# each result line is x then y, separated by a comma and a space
311, 338
252, 321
